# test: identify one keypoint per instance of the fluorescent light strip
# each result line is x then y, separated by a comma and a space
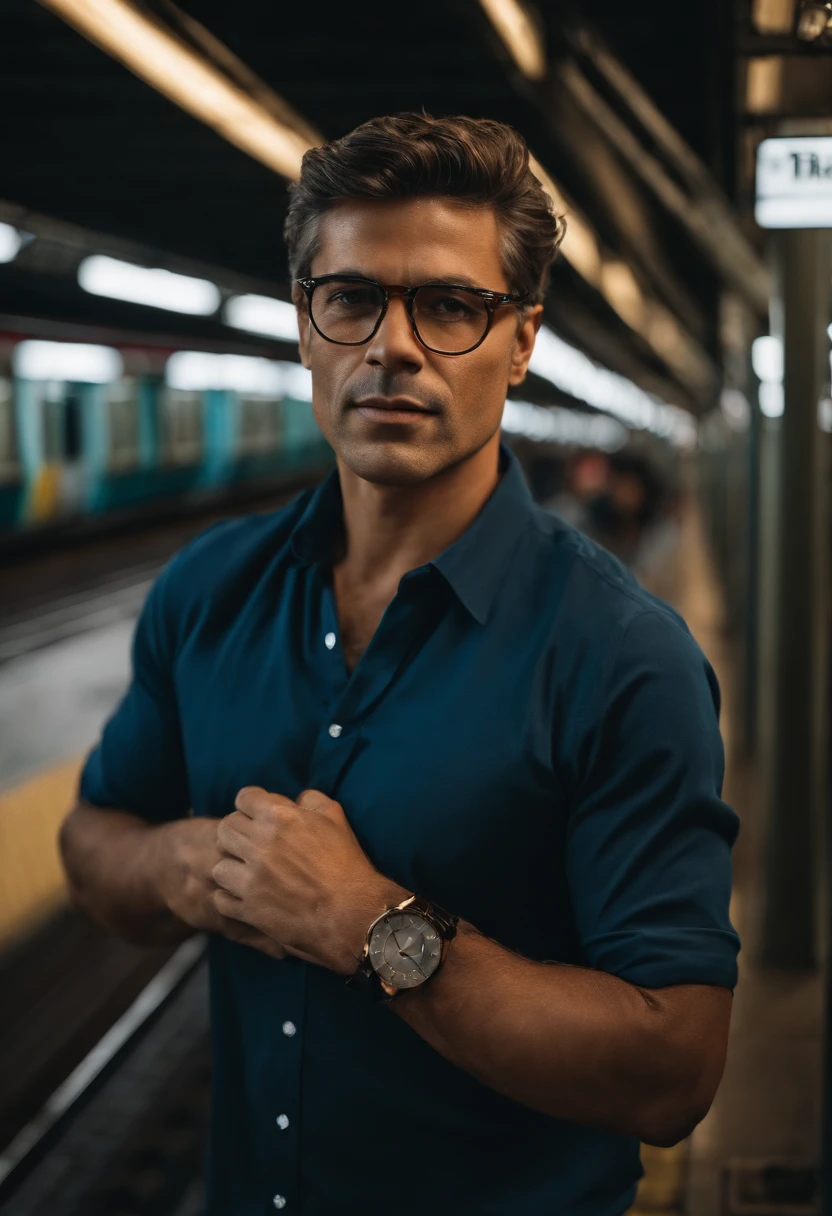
574, 373
570, 428
182, 75
200, 371
10, 242
767, 359
152, 286
263, 315
519, 36
76, 362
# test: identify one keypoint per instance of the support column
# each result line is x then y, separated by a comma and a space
797, 603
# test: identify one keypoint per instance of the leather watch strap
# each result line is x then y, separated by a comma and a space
364, 979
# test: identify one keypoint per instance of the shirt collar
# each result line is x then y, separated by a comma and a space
474, 565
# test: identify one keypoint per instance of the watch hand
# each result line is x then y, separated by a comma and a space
414, 959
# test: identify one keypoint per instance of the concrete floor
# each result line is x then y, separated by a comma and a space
768, 1105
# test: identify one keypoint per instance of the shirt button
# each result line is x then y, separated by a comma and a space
282, 1122
335, 730
329, 641
289, 1028
279, 1201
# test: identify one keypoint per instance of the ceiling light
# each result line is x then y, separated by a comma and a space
200, 371
263, 315
519, 34
772, 399
813, 21
10, 242
75, 362
574, 373
152, 286
764, 84
773, 16
190, 81
767, 359
620, 289
568, 427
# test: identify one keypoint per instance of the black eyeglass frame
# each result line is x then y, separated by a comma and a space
492, 300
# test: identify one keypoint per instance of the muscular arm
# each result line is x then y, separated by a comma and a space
148, 883
574, 1043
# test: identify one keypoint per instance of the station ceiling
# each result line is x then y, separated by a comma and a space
93, 145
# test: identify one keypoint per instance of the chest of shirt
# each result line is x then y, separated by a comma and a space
438, 746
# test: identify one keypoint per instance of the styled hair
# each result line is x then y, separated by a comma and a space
476, 161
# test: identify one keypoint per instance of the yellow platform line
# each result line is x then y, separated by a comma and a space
32, 883
662, 1189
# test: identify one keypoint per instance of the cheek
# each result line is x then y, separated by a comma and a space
480, 385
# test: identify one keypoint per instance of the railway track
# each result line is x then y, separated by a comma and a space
106, 1068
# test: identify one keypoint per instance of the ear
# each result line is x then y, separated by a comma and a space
304, 324
524, 343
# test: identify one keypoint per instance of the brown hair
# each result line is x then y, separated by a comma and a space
477, 161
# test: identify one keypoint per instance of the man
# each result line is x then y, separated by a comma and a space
413, 682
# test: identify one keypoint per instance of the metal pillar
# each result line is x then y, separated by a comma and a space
795, 599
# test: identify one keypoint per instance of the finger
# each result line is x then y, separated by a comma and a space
253, 801
229, 874
314, 800
232, 836
244, 935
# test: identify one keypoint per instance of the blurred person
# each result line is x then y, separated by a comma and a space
439, 780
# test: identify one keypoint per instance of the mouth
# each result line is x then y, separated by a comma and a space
392, 409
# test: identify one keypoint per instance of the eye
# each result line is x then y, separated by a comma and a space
451, 305
351, 297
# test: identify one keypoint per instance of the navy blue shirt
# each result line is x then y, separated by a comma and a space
530, 740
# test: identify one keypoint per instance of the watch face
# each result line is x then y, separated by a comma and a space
405, 949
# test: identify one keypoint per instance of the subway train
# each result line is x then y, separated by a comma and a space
94, 423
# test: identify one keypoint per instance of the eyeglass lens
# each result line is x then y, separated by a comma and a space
450, 320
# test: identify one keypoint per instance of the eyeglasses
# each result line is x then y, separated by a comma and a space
447, 319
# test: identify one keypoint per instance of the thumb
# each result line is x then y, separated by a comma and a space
315, 800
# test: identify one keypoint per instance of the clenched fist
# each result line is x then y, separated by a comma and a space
296, 872
190, 853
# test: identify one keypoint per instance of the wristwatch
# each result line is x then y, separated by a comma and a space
404, 947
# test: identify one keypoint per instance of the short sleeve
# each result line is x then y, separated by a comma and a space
139, 764
649, 840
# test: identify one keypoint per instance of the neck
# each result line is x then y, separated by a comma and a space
390, 530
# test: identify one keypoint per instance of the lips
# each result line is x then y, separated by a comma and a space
393, 405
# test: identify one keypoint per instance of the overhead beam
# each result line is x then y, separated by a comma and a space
165, 60
700, 208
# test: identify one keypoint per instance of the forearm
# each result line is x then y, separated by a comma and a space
113, 862
577, 1044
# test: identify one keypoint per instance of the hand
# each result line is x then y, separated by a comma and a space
188, 852
296, 872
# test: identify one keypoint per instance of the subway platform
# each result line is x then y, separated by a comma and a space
53, 699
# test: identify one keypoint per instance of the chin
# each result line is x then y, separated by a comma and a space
391, 464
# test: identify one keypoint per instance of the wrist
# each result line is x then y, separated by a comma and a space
374, 899
166, 863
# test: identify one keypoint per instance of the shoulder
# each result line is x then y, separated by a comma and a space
597, 589
224, 561
602, 625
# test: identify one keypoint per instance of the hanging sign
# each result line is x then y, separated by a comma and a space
794, 182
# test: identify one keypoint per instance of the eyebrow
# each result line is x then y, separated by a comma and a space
461, 280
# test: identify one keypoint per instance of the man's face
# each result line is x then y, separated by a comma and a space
413, 241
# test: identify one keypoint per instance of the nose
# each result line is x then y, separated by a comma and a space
394, 346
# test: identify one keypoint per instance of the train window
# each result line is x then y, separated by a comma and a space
182, 425
258, 425
124, 423
8, 433
62, 422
